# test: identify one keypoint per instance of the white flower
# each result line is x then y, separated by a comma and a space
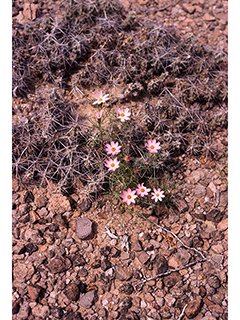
157, 195
100, 98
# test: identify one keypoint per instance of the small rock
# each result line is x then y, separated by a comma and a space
183, 256
170, 300
125, 255
171, 279
136, 246
24, 311
208, 17
72, 316
72, 292
181, 204
33, 236
126, 288
85, 205
41, 201
105, 251
88, 299
214, 282
223, 225
22, 272
84, 228
30, 248
214, 215
223, 199
28, 197
123, 273
115, 252
40, 311
125, 303
58, 265
96, 264
33, 292
195, 176
188, 8
59, 204
143, 257
200, 191
57, 312
130, 315
16, 306
218, 248
218, 258
78, 259
102, 313
193, 308
210, 226
105, 264
82, 272
160, 263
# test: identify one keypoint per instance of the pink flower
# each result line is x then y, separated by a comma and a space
112, 165
123, 114
127, 158
157, 195
100, 98
99, 114
129, 196
153, 146
113, 149
136, 171
143, 191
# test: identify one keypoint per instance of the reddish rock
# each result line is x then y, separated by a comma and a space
143, 257
72, 292
33, 292
193, 308
84, 228
59, 204
123, 273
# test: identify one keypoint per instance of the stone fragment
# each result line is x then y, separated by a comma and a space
214, 215
88, 299
210, 226
183, 256
223, 199
30, 248
181, 204
169, 299
188, 8
72, 292
28, 197
19, 248
123, 273
82, 272
126, 288
105, 264
160, 263
24, 311
59, 204
22, 271
16, 306
218, 258
214, 282
193, 308
143, 257
85, 205
58, 265
125, 303
171, 279
195, 176
84, 228
223, 225
41, 201
208, 17
72, 316
33, 236
40, 311
200, 191
136, 246
33, 292
57, 312
78, 259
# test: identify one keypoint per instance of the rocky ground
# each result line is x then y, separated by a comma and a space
78, 259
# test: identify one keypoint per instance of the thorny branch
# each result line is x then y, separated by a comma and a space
142, 281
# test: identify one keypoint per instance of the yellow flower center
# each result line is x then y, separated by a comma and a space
122, 114
157, 194
113, 149
151, 147
142, 189
99, 99
112, 164
129, 196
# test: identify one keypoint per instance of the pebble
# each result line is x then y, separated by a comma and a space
200, 191
183, 256
84, 228
24, 311
193, 308
72, 292
169, 299
59, 204
88, 299
40, 311
223, 225
143, 257
33, 292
